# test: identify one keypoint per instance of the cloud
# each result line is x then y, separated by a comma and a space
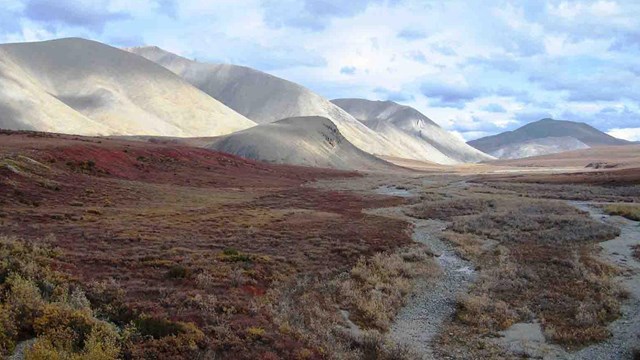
477, 124
494, 108
449, 95
92, 16
527, 116
310, 14
269, 58
522, 96
411, 35
631, 134
467, 136
443, 49
397, 96
606, 118
169, 8
348, 70
9, 19
496, 62
418, 56
127, 41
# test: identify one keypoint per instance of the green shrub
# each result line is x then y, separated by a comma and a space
157, 327
230, 252
178, 272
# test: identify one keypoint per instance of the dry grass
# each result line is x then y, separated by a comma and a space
631, 212
372, 292
376, 287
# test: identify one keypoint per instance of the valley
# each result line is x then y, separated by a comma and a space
266, 261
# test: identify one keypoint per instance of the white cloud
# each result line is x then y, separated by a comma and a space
631, 134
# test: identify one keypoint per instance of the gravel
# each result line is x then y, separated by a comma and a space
433, 301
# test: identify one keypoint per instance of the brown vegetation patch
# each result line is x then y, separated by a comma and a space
370, 294
578, 191
536, 260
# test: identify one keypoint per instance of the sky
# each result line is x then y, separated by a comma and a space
475, 67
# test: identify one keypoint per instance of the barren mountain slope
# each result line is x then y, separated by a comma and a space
546, 128
264, 98
411, 129
85, 87
537, 147
307, 141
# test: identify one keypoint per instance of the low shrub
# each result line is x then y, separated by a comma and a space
631, 212
158, 327
178, 272
37, 302
376, 286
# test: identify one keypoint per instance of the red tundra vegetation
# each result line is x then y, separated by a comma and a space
178, 247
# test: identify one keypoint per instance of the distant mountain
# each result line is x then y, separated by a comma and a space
307, 141
416, 133
264, 98
546, 136
85, 87
542, 146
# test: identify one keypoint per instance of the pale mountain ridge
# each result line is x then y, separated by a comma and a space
506, 142
265, 98
538, 147
306, 141
84, 87
413, 130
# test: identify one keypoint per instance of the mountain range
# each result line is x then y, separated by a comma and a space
265, 98
83, 87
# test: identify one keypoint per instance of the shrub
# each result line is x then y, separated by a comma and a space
376, 287
230, 252
42, 303
158, 327
447, 209
631, 212
8, 330
205, 280
64, 327
233, 255
178, 272
25, 302
255, 333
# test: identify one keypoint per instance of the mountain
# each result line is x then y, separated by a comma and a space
264, 98
84, 87
412, 130
542, 146
553, 135
307, 141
